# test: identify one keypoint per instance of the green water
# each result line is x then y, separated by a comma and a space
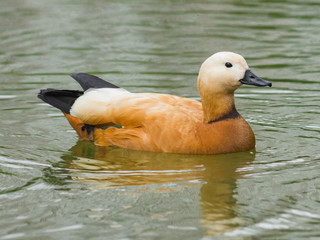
53, 186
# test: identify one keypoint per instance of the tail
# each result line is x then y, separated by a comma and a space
64, 99
61, 99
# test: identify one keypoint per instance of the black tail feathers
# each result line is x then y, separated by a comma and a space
61, 99
64, 99
89, 81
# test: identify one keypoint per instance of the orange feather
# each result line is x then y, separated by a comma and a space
166, 123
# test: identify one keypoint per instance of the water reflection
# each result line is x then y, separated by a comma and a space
101, 167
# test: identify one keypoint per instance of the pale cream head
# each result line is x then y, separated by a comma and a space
221, 73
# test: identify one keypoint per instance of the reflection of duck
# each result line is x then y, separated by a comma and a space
216, 175
161, 122
219, 207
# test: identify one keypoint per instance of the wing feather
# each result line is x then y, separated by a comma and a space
118, 106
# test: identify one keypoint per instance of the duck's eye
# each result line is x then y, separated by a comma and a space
228, 65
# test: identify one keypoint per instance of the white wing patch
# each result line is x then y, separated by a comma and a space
91, 107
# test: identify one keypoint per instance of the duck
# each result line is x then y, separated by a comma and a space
111, 116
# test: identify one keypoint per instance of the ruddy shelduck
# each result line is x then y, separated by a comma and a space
113, 116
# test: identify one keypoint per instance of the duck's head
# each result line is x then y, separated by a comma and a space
224, 72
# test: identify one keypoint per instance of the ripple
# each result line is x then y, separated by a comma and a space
19, 163
277, 91
67, 228
159, 47
183, 228
290, 219
13, 236
7, 96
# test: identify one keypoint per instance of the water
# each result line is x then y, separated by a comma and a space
54, 186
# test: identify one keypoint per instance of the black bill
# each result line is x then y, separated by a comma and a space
251, 79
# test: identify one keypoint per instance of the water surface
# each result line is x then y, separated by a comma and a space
54, 186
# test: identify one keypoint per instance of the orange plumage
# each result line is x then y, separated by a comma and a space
160, 122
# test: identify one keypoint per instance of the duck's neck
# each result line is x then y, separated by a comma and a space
218, 107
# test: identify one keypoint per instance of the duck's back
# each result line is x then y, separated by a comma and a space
118, 106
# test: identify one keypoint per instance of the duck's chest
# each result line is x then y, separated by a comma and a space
232, 135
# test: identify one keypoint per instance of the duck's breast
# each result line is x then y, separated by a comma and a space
230, 135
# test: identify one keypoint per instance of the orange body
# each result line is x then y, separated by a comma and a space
166, 123
233, 135
162, 122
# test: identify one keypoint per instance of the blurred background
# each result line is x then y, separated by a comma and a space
54, 186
